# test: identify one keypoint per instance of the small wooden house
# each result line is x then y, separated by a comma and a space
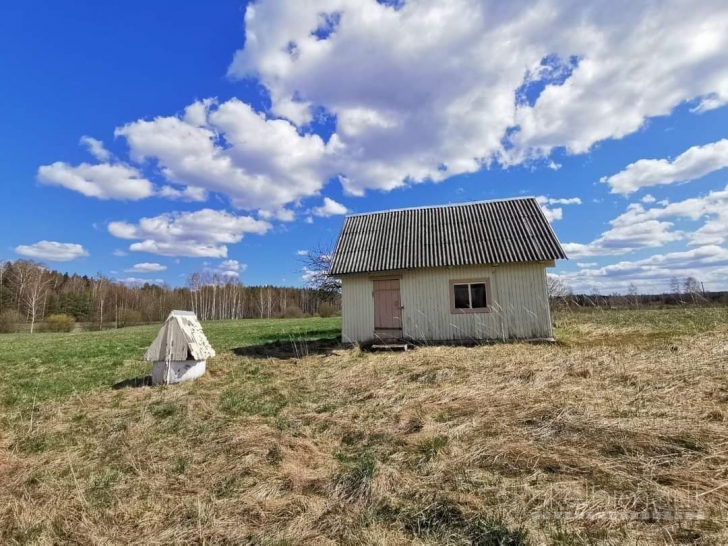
473, 271
180, 350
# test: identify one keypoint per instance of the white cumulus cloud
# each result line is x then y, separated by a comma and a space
555, 213
137, 282
434, 89
52, 251
424, 91
639, 227
628, 233
95, 148
283, 214
329, 208
103, 181
231, 268
203, 233
708, 263
692, 164
188, 193
259, 163
542, 199
147, 267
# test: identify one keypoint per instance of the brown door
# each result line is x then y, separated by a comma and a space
387, 309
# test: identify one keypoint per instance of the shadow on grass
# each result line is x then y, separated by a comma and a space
133, 383
290, 349
397, 344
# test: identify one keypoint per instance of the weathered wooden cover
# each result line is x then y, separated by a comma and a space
180, 338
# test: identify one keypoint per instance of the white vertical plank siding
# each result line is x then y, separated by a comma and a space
357, 308
520, 308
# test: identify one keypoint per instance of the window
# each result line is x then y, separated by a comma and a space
462, 296
469, 296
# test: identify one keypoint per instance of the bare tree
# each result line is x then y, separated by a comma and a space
691, 287
194, 283
675, 287
241, 308
214, 283
99, 300
283, 301
261, 300
21, 274
269, 299
556, 287
4, 268
633, 292
101, 289
35, 293
316, 266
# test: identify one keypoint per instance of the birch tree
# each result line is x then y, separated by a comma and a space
4, 267
35, 292
21, 273
102, 286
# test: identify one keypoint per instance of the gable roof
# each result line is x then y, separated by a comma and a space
180, 338
485, 232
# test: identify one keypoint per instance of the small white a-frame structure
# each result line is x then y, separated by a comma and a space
180, 350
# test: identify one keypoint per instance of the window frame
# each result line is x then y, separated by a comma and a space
463, 311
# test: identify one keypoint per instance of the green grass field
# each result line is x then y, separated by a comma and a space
40, 367
292, 439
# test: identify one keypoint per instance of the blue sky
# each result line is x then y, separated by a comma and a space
150, 140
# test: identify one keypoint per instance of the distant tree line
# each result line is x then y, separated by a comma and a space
30, 292
680, 292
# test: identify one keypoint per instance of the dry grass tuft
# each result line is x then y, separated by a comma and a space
442, 445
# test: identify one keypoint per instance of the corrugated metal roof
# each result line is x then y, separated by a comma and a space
485, 232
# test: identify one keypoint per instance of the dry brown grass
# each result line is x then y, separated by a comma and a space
441, 445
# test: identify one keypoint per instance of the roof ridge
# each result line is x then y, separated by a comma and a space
450, 205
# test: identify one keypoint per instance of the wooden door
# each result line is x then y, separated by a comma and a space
387, 309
